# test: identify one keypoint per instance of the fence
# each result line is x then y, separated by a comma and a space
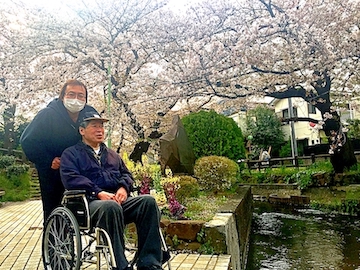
18, 154
297, 161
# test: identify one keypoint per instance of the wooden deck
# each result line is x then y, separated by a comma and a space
20, 242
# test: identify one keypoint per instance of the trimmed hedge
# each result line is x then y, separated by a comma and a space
214, 134
215, 173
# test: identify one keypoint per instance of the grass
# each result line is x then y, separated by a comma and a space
330, 195
333, 198
17, 188
325, 198
344, 199
204, 207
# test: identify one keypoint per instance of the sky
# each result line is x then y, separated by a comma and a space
181, 4
175, 5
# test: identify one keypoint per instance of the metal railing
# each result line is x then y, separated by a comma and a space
297, 161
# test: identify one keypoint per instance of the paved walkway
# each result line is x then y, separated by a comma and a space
20, 242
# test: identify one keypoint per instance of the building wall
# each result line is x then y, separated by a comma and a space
240, 119
354, 108
303, 130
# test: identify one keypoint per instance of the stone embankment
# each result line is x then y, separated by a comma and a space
227, 233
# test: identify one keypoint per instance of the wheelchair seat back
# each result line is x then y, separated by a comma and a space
76, 202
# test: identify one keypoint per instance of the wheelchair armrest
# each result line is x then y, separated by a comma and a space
74, 192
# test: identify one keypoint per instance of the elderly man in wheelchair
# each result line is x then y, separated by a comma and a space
106, 183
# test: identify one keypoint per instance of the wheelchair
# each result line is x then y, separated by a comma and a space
69, 242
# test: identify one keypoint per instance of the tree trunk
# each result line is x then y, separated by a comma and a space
341, 149
9, 114
342, 152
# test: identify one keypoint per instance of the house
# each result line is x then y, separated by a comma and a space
306, 133
240, 118
250, 102
351, 110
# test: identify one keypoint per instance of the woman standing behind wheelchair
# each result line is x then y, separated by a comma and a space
90, 165
52, 130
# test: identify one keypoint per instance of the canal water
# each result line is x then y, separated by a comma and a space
302, 239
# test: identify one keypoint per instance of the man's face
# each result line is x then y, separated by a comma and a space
75, 92
94, 133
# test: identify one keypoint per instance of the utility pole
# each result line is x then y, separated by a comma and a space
108, 106
294, 151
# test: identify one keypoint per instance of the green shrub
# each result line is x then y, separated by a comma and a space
264, 126
350, 207
321, 166
14, 179
216, 173
354, 128
267, 175
15, 170
303, 179
214, 134
286, 151
188, 188
145, 170
6, 161
206, 248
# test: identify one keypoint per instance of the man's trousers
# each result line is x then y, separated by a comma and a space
144, 212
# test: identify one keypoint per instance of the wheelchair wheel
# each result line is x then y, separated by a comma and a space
61, 243
105, 252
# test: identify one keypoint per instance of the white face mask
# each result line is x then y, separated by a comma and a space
74, 105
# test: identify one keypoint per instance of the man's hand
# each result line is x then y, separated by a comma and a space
121, 195
103, 195
55, 164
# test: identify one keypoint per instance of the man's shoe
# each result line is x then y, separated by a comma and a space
152, 267
127, 268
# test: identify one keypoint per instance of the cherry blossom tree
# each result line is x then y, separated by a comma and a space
111, 47
236, 49
279, 49
319, 56
12, 70
149, 60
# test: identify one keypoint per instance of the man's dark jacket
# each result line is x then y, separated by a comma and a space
46, 137
82, 169
50, 133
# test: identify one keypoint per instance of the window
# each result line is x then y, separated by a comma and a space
295, 114
311, 108
285, 113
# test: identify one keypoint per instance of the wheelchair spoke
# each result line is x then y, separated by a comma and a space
61, 241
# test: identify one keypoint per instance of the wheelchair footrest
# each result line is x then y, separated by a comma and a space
101, 247
166, 256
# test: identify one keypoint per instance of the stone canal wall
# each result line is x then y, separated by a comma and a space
227, 233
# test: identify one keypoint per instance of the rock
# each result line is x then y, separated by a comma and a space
289, 199
184, 230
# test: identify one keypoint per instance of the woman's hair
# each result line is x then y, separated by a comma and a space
72, 82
